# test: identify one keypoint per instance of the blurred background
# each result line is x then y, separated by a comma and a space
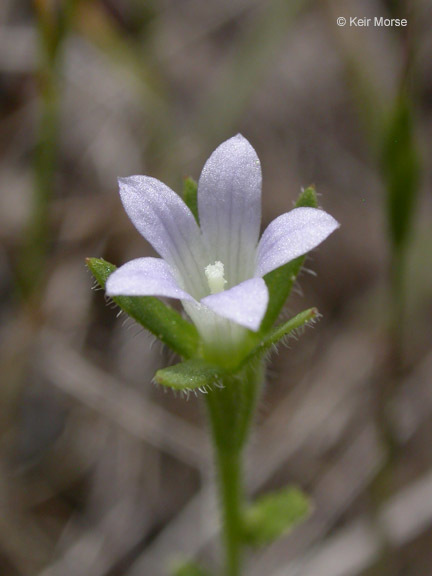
103, 473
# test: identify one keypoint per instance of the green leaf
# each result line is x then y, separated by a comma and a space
274, 515
189, 569
190, 196
279, 332
158, 318
401, 170
190, 375
280, 281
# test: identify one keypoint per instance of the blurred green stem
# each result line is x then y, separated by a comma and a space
397, 288
231, 409
53, 24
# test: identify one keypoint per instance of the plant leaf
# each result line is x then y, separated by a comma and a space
158, 318
274, 515
280, 281
190, 375
190, 196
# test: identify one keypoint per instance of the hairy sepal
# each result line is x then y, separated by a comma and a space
279, 333
191, 375
158, 318
280, 281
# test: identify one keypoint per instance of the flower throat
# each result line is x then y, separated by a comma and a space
215, 277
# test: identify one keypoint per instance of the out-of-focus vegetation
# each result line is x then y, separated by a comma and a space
101, 472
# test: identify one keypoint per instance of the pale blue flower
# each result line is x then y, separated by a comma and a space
216, 269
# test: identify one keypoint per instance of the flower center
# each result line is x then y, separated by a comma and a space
215, 277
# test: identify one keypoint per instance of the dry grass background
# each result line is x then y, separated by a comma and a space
102, 473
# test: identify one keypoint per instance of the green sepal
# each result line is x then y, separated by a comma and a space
188, 569
280, 281
307, 198
278, 333
190, 196
274, 515
190, 375
401, 170
158, 318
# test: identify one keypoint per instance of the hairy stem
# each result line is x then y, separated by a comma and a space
231, 409
231, 492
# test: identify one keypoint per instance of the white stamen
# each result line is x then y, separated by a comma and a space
215, 277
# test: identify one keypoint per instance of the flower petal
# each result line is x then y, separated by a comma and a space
165, 221
292, 235
145, 277
229, 206
244, 304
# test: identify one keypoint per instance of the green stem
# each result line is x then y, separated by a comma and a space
230, 478
231, 409
397, 312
